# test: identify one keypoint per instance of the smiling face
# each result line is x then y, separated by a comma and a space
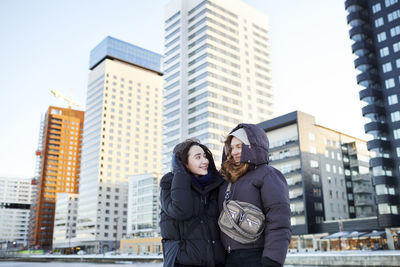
236, 149
197, 162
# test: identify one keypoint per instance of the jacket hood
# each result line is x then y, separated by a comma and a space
258, 151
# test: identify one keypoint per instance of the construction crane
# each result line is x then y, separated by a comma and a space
70, 101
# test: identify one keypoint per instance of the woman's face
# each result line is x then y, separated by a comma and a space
236, 149
197, 161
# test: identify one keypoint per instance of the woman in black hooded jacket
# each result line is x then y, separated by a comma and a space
245, 165
189, 208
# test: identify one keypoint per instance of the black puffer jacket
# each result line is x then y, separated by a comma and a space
265, 187
189, 220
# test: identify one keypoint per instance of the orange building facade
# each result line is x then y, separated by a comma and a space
59, 171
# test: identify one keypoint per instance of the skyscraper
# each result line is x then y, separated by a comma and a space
59, 171
375, 31
122, 137
217, 71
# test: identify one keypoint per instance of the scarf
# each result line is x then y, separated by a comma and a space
203, 181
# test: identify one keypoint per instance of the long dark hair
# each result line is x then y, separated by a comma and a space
230, 170
182, 151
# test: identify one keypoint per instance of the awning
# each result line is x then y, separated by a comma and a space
375, 234
355, 234
337, 235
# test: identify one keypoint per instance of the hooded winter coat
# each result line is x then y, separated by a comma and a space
265, 187
189, 219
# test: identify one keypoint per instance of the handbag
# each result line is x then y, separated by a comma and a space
241, 221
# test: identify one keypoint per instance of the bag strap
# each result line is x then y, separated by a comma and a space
237, 228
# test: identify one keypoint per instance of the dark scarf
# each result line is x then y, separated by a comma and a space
203, 181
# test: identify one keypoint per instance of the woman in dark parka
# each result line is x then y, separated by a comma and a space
189, 208
245, 165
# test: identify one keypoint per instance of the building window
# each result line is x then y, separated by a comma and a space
315, 178
313, 164
311, 136
396, 133
313, 149
390, 2
389, 83
376, 8
384, 51
387, 67
394, 15
395, 31
396, 47
398, 151
328, 167
395, 116
378, 22
398, 63
381, 36
392, 99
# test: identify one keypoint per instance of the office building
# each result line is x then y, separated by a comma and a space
144, 205
375, 32
16, 196
122, 137
327, 171
65, 222
60, 155
217, 71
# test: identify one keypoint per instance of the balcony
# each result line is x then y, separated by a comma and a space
376, 143
370, 92
388, 180
379, 161
362, 189
375, 126
357, 15
364, 202
364, 29
373, 109
362, 48
297, 212
361, 178
364, 60
357, 3
367, 76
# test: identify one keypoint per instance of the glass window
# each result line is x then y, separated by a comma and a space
381, 36
387, 67
389, 83
311, 136
396, 47
390, 2
313, 164
395, 31
378, 22
313, 149
328, 167
395, 116
396, 133
392, 99
398, 151
398, 63
376, 8
384, 208
394, 15
384, 51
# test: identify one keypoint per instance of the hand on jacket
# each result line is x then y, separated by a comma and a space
267, 262
177, 165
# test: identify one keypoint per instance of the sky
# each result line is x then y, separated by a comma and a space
45, 45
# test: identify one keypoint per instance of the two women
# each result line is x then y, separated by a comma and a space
191, 203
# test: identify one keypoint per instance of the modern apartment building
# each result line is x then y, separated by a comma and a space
327, 171
216, 69
144, 205
375, 32
59, 171
16, 196
65, 222
122, 137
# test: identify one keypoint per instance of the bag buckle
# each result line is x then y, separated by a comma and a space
227, 195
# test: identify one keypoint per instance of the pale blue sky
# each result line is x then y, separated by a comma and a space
45, 45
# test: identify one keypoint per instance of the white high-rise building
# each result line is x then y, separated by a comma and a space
65, 218
16, 197
122, 137
216, 69
144, 205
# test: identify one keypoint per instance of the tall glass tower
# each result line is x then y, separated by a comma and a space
122, 137
375, 31
217, 71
